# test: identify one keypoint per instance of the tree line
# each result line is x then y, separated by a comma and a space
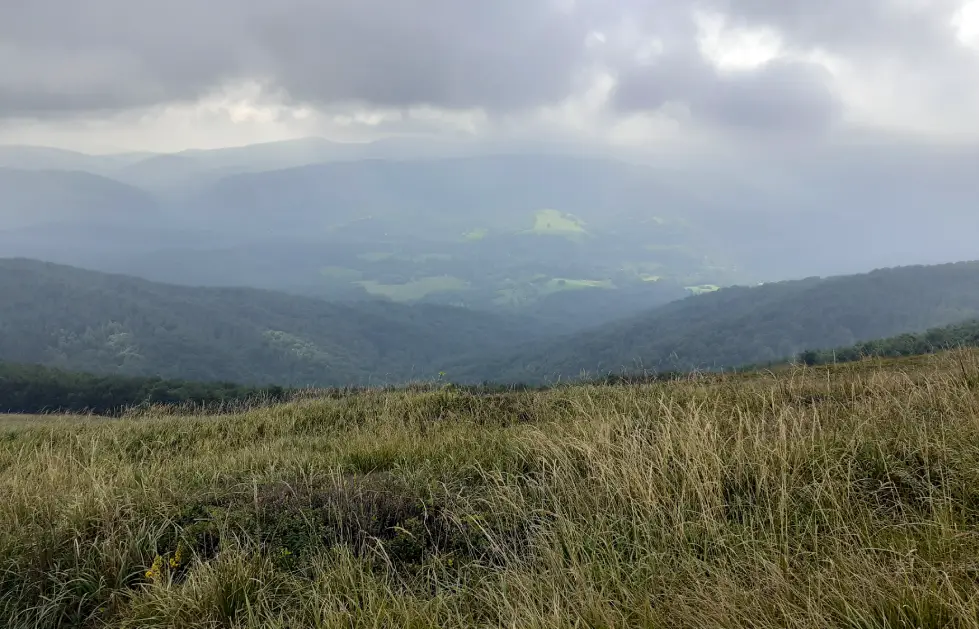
34, 389
934, 340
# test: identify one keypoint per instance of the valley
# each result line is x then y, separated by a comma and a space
502, 232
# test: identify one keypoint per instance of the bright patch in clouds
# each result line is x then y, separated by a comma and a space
481, 68
966, 24
367, 118
731, 48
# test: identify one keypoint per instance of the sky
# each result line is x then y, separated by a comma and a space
147, 75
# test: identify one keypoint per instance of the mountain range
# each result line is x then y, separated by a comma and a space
81, 320
550, 233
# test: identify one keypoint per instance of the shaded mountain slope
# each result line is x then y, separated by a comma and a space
742, 325
82, 320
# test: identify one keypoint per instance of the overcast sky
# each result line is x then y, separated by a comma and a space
103, 75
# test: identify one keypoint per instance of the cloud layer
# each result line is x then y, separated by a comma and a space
786, 66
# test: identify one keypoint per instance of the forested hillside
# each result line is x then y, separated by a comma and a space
36, 389
753, 325
934, 340
81, 320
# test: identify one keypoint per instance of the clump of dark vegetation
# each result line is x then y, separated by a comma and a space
935, 340
36, 389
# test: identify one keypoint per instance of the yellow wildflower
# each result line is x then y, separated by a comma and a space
156, 569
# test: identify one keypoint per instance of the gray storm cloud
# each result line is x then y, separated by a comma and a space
58, 57
777, 95
63, 54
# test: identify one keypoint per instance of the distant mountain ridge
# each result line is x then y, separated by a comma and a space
752, 325
44, 197
79, 320
539, 229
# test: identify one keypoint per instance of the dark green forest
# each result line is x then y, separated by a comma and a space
36, 389
934, 340
78, 320
750, 325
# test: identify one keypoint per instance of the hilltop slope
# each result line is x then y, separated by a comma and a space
840, 497
82, 320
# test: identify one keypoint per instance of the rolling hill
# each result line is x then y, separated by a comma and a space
43, 197
752, 325
76, 217
73, 319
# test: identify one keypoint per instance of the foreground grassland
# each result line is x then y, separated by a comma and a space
827, 497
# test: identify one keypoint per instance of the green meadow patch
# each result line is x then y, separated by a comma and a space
555, 223
476, 234
703, 288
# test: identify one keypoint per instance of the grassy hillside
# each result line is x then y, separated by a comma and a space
742, 325
81, 320
937, 339
829, 497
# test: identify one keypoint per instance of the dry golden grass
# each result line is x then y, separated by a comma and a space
833, 497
